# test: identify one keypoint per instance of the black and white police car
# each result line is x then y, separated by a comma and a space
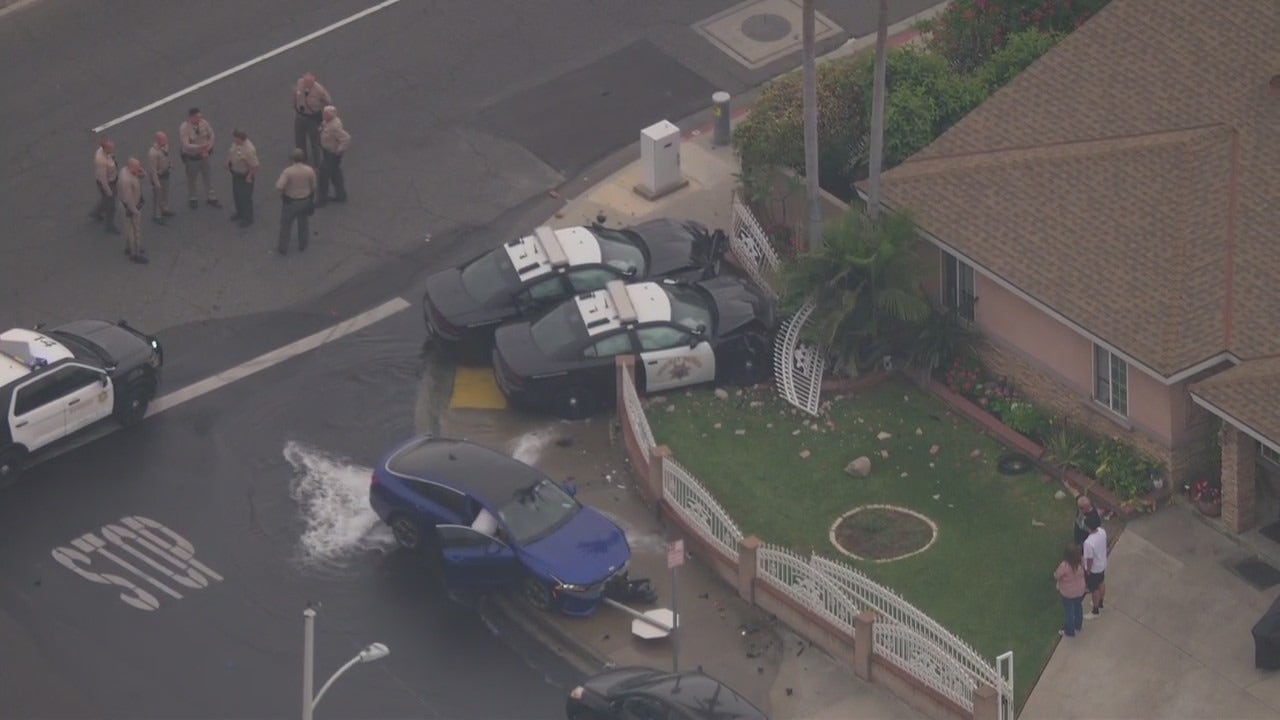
55, 382
463, 305
679, 333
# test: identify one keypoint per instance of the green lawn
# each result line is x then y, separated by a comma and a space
988, 578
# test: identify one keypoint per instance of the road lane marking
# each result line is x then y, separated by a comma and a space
277, 356
248, 63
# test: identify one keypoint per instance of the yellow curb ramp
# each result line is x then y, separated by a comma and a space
475, 389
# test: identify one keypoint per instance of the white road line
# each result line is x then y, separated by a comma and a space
248, 63
277, 356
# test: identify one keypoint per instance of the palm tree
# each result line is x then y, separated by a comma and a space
813, 234
865, 285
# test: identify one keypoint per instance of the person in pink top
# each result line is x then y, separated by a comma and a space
1071, 586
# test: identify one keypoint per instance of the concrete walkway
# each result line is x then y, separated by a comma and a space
1174, 639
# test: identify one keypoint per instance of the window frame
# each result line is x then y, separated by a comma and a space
1268, 454
954, 273
681, 330
589, 351
442, 496
1104, 384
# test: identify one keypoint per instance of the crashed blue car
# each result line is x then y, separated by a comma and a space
498, 523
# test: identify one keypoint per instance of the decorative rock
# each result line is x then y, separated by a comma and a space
740, 431
796, 431
930, 464
804, 454
768, 425
1060, 495
903, 475
882, 436
937, 497
1036, 523
884, 454
975, 454
716, 426
933, 449
722, 393
859, 467
919, 431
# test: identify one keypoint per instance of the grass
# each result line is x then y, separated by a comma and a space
988, 578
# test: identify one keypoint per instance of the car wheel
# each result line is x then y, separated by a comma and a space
756, 360
133, 407
406, 532
536, 593
12, 461
577, 403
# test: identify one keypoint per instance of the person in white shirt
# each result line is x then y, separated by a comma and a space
1095, 564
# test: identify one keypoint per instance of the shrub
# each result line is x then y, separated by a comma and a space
939, 340
969, 32
1022, 49
1123, 470
1067, 445
1026, 418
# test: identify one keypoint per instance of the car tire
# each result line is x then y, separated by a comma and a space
12, 461
577, 403
755, 360
137, 398
406, 532
536, 593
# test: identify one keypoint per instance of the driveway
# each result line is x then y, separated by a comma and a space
1174, 640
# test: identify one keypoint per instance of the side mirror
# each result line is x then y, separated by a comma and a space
629, 271
570, 488
104, 380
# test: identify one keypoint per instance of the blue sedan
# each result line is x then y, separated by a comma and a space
498, 523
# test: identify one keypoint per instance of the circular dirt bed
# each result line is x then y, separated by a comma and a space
882, 533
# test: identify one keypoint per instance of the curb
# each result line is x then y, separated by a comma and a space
542, 628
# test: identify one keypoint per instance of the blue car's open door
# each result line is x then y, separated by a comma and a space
473, 561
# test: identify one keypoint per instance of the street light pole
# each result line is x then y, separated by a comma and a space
372, 652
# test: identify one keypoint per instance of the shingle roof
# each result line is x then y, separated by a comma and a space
1130, 179
1247, 392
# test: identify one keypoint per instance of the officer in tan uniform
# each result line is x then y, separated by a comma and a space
130, 192
242, 161
334, 140
159, 166
309, 99
196, 136
105, 174
297, 186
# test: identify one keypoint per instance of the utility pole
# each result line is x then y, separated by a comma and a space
814, 224
877, 111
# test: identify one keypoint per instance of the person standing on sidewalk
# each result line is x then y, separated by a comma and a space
196, 136
297, 186
1084, 510
105, 175
1095, 564
131, 200
159, 166
242, 161
1071, 586
334, 140
309, 100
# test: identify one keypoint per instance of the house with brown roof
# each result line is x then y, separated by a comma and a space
1110, 222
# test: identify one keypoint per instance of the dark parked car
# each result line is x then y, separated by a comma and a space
498, 523
463, 305
680, 334
638, 693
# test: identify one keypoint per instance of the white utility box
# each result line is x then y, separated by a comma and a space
660, 160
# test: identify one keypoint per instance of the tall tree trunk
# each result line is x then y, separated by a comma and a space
877, 111
814, 224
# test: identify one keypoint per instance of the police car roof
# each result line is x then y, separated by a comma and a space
21, 351
600, 311
537, 254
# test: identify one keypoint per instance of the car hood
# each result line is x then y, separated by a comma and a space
514, 344
124, 346
674, 245
586, 550
738, 303
450, 298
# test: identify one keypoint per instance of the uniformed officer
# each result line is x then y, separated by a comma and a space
105, 173
334, 140
196, 136
309, 99
158, 168
131, 200
297, 186
242, 161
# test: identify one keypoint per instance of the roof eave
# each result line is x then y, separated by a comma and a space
1242, 426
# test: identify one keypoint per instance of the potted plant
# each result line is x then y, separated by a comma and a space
1207, 495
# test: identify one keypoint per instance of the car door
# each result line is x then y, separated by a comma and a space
36, 416
542, 293
672, 356
473, 561
88, 395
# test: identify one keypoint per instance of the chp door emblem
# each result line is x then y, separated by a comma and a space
679, 368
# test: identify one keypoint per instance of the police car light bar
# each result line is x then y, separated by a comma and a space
551, 246
621, 301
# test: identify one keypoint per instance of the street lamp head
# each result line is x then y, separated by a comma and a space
375, 651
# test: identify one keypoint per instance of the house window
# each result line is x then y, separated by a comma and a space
1269, 454
1110, 380
957, 286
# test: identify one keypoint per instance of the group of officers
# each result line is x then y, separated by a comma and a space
320, 141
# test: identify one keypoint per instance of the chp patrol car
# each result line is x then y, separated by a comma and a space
680, 334
56, 382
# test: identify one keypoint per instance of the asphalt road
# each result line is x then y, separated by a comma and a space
267, 479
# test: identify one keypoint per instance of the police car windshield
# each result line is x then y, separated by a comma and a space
81, 348
560, 332
690, 308
619, 250
491, 276
536, 511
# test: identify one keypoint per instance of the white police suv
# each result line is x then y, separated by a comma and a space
55, 382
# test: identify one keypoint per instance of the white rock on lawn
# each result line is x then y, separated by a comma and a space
716, 426
975, 454
882, 436
859, 467
1060, 495
740, 431
804, 454
933, 449
884, 454
722, 393
919, 431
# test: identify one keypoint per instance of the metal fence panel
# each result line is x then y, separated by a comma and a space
910, 651
751, 245
635, 416
696, 505
798, 367
796, 577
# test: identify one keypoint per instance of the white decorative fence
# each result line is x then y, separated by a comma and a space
804, 582
640, 429
750, 244
798, 367
687, 497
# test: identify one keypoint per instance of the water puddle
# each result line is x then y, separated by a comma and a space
333, 496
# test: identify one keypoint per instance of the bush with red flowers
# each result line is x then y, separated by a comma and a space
1205, 491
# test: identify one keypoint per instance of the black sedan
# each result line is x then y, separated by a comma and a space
680, 334
638, 692
463, 305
